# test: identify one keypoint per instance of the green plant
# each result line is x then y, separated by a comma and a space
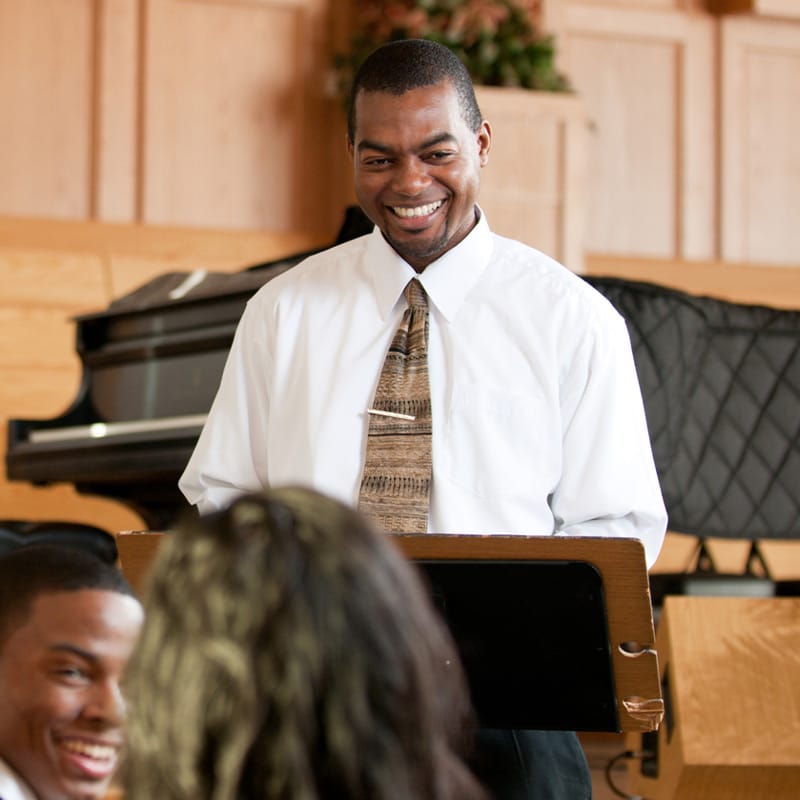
498, 40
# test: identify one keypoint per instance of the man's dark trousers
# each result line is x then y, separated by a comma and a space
532, 765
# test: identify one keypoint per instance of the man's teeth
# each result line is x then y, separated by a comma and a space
101, 752
419, 211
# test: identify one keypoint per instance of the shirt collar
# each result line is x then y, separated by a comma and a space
12, 787
447, 281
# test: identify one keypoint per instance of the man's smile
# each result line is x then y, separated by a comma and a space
94, 760
406, 212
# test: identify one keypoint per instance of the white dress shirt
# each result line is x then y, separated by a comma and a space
12, 787
538, 421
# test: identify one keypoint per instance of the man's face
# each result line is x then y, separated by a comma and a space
417, 168
61, 710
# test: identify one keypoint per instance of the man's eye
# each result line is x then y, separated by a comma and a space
71, 674
438, 155
376, 162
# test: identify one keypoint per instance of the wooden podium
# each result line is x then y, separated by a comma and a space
554, 632
731, 686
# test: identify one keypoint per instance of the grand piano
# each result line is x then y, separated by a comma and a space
151, 363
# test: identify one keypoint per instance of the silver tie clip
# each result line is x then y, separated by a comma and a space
390, 414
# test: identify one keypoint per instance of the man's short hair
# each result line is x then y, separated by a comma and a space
30, 571
397, 67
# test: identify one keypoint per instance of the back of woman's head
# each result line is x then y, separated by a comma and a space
290, 651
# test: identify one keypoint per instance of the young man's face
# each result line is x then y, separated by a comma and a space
61, 711
417, 168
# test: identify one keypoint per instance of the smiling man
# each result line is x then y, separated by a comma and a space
68, 623
534, 416
418, 183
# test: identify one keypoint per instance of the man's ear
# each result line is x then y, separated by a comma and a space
349, 145
484, 138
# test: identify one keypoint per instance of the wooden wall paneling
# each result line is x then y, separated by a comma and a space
46, 94
41, 292
760, 153
646, 78
789, 9
172, 249
230, 102
42, 289
760, 284
218, 143
127, 255
698, 141
533, 188
782, 559
117, 115
574, 191
62, 503
323, 172
41, 340
341, 169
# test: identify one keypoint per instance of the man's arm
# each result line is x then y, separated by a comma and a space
230, 455
609, 485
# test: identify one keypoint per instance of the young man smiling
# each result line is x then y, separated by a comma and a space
538, 425
68, 623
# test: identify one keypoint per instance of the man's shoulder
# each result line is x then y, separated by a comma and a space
552, 283
336, 253
334, 267
526, 262
513, 254
332, 259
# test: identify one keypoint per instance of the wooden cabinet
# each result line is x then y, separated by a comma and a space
695, 126
235, 117
220, 113
646, 74
173, 112
760, 140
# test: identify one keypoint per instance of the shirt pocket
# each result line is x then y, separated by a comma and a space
500, 443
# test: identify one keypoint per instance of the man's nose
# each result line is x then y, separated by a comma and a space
106, 702
411, 177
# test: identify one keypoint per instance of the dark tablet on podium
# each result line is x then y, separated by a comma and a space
533, 638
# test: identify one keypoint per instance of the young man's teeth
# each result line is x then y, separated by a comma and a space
96, 751
419, 211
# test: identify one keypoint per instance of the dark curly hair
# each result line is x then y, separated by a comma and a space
290, 652
37, 569
405, 64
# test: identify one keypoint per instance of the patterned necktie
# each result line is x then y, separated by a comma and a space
395, 488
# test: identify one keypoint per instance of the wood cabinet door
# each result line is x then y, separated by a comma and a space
760, 143
236, 118
212, 113
646, 74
